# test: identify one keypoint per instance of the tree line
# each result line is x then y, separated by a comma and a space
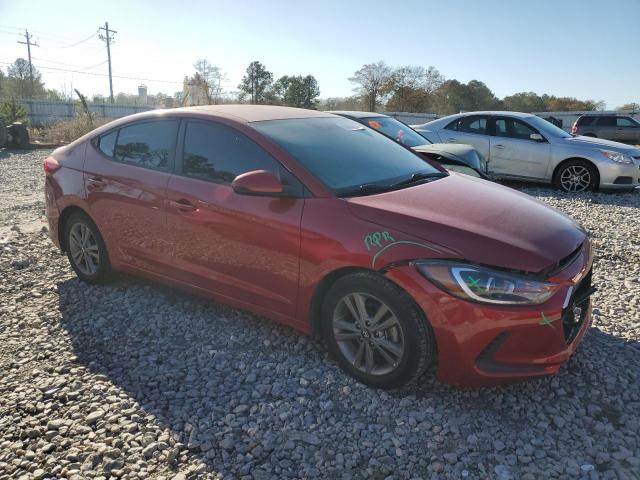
376, 87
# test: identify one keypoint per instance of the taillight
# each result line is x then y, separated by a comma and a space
50, 165
574, 130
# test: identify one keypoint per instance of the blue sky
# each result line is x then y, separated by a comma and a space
586, 49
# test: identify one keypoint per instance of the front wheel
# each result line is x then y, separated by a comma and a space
85, 248
376, 331
576, 176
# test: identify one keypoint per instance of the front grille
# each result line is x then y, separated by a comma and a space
576, 311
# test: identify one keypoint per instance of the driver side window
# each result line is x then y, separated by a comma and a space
512, 128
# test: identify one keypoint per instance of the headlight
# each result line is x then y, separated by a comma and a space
616, 156
485, 285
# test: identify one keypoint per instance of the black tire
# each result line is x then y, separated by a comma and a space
419, 348
592, 135
3, 134
577, 164
19, 135
103, 270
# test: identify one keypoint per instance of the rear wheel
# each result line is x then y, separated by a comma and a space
576, 176
86, 250
376, 331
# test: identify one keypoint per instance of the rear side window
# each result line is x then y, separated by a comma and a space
625, 122
585, 121
473, 124
219, 153
107, 143
606, 121
148, 144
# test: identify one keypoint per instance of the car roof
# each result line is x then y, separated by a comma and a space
255, 113
238, 113
356, 113
497, 112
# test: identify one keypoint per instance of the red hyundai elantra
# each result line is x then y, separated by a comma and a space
323, 224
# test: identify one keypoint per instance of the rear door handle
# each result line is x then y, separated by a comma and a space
499, 146
183, 204
451, 140
97, 182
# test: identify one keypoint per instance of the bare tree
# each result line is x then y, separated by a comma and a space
213, 78
372, 82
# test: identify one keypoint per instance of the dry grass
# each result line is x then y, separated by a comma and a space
67, 131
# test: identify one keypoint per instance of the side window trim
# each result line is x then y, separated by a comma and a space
95, 141
494, 131
486, 118
171, 159
179, 164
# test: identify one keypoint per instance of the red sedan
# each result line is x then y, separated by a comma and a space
323, 224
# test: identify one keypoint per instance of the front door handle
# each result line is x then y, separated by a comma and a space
499, 146
451, 140
183, 204
96, 182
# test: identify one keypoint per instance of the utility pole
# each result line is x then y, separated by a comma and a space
28, 43
107, 37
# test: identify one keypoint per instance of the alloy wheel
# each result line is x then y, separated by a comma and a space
368, 334
575, 178
84, 249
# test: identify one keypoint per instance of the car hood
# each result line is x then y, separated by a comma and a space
476, 220
592, 142
463, 153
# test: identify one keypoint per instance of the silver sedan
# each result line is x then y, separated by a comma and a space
522, 146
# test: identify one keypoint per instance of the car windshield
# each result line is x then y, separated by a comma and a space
396, 130
547, 128
343, 154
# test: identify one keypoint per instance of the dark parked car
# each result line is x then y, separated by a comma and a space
311, 219
459, 158
621, 128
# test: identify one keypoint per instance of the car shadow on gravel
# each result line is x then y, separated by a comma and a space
244, 394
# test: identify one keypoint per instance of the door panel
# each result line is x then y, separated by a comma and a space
520, 157
245, 247
469, 130
127, 201
240, 246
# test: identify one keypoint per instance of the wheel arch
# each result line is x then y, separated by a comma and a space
321, 290
328, 280
64, 216
582, 159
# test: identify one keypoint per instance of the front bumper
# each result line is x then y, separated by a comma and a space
487, 345
619, 176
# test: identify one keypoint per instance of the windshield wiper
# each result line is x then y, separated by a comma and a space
367, 189
419, 177
371, 188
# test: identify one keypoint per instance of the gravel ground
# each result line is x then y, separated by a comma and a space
135, 380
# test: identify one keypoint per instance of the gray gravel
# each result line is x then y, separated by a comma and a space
136, 380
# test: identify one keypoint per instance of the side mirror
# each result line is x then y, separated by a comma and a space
257, 182
536, 137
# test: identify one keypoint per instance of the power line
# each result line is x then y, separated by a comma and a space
100, 74
81, 41
108, 39
80, 67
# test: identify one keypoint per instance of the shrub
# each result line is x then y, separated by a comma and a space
11, 111
68, 131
